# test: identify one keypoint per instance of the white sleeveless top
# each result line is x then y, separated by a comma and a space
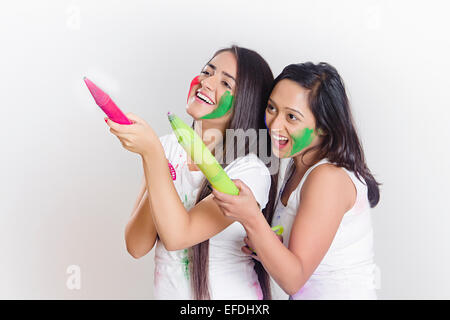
231, 272
347, 270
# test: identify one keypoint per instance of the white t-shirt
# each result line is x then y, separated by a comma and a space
231, 272
347, 271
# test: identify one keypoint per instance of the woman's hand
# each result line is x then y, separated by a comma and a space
242, 207
248, 248
138, 137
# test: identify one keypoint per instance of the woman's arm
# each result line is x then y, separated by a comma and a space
140, 232
140, 196
326, 195
176, 227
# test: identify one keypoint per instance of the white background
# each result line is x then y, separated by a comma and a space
67, 185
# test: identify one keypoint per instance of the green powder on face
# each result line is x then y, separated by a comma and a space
186, 264
301, 140
225, 104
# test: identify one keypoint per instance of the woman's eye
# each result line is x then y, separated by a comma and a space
292, 117
270, 108
205, 72
227, 85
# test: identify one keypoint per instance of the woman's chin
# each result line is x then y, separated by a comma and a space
276, 152
281, 154
195, 112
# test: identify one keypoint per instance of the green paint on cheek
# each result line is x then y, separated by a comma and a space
186, 264
301, 140
225, 104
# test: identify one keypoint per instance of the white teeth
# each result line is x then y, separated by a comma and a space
279, 138
205, 98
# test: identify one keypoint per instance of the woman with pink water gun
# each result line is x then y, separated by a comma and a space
198, 249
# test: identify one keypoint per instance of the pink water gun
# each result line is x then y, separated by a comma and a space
106, 104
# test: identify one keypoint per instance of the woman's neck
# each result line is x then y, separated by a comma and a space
303, 162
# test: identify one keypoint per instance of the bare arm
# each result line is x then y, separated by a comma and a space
327, 194
176, 227
140, 232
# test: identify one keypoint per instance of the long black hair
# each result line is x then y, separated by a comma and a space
330, 105
253, 83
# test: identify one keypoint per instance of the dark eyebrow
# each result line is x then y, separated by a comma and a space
225, 73
229, 75
294, 110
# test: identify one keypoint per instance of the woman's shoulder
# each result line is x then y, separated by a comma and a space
254, 173
246, 163
329, 180
171, 146
326, 169
328, 173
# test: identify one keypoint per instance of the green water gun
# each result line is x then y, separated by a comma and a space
278, 230
202, 157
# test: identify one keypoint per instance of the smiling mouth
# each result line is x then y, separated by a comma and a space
204, 98
280, 141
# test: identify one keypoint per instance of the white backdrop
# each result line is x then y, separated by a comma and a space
67, 186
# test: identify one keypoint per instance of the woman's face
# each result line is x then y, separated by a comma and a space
290, 121
212, 97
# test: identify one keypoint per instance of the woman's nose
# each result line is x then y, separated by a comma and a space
275, 124
209, 83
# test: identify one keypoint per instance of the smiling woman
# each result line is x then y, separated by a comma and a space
215, 95
197, 251
290, 119
325, 199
